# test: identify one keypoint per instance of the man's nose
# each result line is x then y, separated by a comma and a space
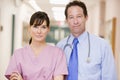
75, 20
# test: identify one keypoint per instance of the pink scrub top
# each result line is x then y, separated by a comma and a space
50, 62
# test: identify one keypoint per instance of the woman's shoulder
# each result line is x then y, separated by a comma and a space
55, 51
54, 48
21, 50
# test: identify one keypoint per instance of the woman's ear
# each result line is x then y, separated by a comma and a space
29, 29
48, 28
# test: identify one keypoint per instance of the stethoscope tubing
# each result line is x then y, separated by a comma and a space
88, 57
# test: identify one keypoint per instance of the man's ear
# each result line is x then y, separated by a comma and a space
66, 21
86, 18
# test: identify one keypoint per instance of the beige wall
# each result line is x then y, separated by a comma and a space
112, 10
22, 14
99, 14
5, 35
93, 19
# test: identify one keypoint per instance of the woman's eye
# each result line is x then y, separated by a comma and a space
44, 27
35, 26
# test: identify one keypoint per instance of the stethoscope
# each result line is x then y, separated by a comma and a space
67, 44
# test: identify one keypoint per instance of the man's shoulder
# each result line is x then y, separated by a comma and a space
62, 42
94, 38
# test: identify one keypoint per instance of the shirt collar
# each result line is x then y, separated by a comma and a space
80, 38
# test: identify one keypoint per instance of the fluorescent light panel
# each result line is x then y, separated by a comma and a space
58, 13
34, 5
59, 1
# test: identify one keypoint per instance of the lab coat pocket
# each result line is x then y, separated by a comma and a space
93, 67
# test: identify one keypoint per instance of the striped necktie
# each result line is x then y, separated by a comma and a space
73, 62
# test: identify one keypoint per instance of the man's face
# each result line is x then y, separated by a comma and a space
76, 20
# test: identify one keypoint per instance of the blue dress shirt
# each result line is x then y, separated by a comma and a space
101, 65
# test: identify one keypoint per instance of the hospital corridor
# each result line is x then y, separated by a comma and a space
103, 21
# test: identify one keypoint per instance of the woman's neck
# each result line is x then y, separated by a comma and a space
38, 44
37, 47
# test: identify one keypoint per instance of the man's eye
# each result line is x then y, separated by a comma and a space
71, 17
79, 16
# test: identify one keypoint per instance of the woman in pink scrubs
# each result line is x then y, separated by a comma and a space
38, 60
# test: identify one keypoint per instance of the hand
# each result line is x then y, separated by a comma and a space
16, 76
59, 77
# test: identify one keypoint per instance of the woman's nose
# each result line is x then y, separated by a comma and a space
39, 30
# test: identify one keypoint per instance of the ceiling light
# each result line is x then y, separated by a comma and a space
58, 13
34, 5
59, 1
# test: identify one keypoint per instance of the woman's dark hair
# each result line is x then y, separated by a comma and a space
37, 19
76, 3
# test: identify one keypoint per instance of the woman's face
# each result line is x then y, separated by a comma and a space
39, 33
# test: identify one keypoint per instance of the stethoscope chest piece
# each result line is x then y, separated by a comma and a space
88, 60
